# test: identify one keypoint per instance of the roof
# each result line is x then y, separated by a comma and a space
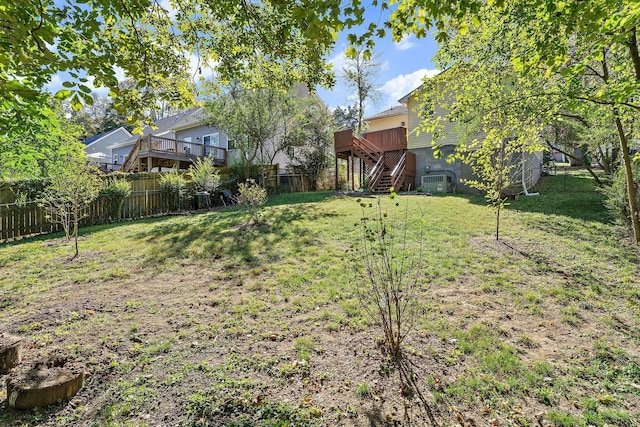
167, 126
95, 138
181, 120
396, 110
405, 98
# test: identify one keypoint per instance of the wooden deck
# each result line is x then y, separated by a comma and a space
151, 152
383, 157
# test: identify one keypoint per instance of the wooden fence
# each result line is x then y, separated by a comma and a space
28, 219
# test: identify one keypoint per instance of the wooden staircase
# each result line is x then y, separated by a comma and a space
387, 169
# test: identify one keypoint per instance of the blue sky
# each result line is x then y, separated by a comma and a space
403, 65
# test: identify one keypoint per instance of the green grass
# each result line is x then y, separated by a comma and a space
263, 326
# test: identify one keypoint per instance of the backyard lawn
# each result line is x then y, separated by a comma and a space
199, 320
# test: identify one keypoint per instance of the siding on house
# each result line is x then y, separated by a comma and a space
197, 132
101, 143
420, 139
394, 117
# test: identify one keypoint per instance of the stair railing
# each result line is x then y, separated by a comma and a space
128, 163
397, 175
375, 174
362, 144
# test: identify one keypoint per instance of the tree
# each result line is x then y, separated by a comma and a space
262, 42
588, 48
346, 117
36, 140
95, 118
252, 119
309, 145
359, 73
74, 185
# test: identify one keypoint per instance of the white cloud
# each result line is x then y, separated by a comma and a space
338, 61
405, 44
200, 68
401, 85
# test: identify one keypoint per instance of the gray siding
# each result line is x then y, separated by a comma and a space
101, 145
196, 133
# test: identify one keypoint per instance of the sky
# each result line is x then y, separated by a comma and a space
402, 67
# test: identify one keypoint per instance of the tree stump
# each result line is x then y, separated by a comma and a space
10, 352
44, 383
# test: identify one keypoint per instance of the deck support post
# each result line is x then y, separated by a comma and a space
353, 172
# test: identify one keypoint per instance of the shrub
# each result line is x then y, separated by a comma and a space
114, 191
388, 273
252, 197
173, 191
204, 175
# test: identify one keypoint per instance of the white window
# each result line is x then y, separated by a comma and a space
187, 139
115, 159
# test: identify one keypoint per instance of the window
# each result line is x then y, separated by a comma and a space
187, 139
231, 144
212, 140
115, 159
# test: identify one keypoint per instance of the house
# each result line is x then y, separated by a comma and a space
443, 174
393, 117
380, 155
173, 142
97, 146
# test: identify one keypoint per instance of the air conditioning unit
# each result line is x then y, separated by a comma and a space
435, 183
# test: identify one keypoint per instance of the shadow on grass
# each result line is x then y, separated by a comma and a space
227, 234
573, 195
298, 198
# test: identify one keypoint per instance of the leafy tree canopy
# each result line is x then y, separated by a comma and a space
262, 43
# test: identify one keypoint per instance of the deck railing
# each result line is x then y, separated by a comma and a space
150, 145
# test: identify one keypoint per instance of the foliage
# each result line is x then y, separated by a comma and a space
389, 273
617, 201
264, 123
74, 185
32, 146
115, 191
204, 175
346, 117
252, 197
96, 117
563, 58
310, 143
359, 73
264, 43
173, 191
497, 167
253, 120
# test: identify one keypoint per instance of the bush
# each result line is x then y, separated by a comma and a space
617, 199
173, 191
252, 197
114, 191
204, 175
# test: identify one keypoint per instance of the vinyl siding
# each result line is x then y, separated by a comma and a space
387, 123
423, 139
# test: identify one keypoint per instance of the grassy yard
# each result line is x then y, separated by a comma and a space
198, 321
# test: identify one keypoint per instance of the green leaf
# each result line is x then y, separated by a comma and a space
63, 94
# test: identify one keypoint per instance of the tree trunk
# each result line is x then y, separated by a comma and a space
498, 221
631, 192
